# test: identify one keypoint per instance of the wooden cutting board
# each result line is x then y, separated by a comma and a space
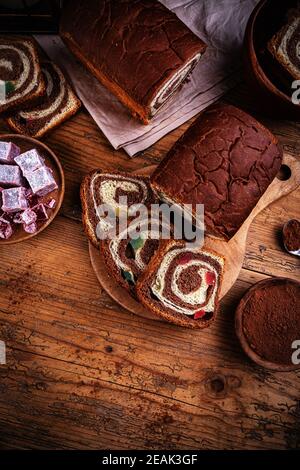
233, 251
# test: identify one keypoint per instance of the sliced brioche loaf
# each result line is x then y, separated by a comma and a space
58, 104
20, 72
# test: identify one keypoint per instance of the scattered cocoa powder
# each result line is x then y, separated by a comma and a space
291, 235
271, 319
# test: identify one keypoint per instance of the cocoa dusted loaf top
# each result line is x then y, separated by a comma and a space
225, 160
138, 49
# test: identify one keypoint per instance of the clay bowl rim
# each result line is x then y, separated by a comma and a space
240, 334
252, 57
61, 189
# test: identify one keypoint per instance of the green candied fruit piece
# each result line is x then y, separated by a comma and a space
157, 284
128, 276
137, 243
9, 87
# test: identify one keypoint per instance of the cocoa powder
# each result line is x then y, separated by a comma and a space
271, 319
291, 235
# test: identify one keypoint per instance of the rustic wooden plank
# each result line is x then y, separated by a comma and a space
78, 361
84, 373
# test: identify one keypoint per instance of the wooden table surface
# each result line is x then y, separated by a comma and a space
83, 373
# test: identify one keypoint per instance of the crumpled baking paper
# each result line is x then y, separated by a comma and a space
220, 23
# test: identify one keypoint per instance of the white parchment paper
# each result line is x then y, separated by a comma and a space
220, 23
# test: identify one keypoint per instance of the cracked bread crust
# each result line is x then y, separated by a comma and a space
133, 47
225, 160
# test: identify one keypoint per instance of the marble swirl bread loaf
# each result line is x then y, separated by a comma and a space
226, 161
182, 284
58, 104
20, 72
138, 49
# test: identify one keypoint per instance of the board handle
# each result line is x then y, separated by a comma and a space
290, 171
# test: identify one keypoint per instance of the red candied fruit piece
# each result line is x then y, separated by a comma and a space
199, 314
185, 258
210, 278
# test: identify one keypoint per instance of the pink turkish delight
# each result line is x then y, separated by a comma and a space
14, 200
6, 229
41, 181
10, 175
28, 217
31, 228
32, 199
29, 161
8, 152
41, 212
50, 204
17, 218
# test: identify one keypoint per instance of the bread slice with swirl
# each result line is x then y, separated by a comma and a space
100, 187
21, 78
56, 106
182, 283
285, 45
128, 253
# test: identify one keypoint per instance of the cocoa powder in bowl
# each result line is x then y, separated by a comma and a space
291, 235
268, 320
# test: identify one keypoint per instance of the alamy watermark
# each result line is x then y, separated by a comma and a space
131, 221
296, 93
2, 91
296, 353
2, 353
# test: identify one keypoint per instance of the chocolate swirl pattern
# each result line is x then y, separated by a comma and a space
58, 103
100, 188
169, 88
285, 46
127, 255
112, 187
20, 71
182, 284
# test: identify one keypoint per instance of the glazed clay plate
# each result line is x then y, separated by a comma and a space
51, 160
233, 251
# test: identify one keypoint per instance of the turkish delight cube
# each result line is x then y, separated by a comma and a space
10, 175
8, 152
41, 181
6, 229
32, 199
41, 212
50, 204
29, 161
17, 218
28, 217
14, 200
31, 228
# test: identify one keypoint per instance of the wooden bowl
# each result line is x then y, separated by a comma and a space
270, 96
240, 330
51, 160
